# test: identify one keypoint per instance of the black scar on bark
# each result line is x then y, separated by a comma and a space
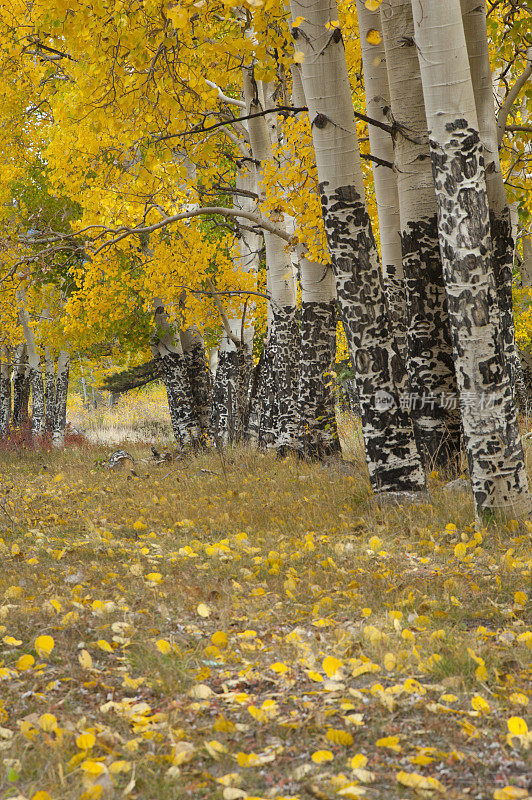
317, 430
185, 423
497, 447
231, 394
391, 453
60, 403
430, 357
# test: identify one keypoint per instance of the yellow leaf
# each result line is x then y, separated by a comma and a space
520, 598
517, 726
163, 646
375, 543
479, 704
299, 57
93, 768
279, 667
25, 662
203, 610
219, 639
41, 795
322, 755
47, 723
86, 741
373, 37
11, 641
119, 766
519, 699
391, 742
389, 661
85, 659
232, 793
297, 22
331, 665
358, 762
337, 736
419, 782
510, 793
372, 5
182, 752
201, 691
460, 550
352, 791
154, 577
315, 676
105, 646
44, 645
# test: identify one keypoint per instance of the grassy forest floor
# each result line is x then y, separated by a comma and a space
249, 627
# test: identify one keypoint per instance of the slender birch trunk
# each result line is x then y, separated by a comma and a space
61, 398
5, 389
34, 368
377, 94
167, 346
434, 391
392, 456
19, 380
489, 415
198, 375
474, 20
49, 388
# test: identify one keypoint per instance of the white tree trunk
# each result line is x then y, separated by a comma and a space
230, 407
317, 429
284, 337
34, 366
167, 346
20, 402
60, 400
5, 389
393, 460
49, 388
434, 392
502, 238
377, 94
489, 416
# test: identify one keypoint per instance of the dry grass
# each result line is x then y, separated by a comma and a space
192, 608
139, 416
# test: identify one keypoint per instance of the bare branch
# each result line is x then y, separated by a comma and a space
224, 98
223, 315
258, 219
511, 97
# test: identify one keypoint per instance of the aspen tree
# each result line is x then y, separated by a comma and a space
435, 408
489, 415
377, 94
60, 399
317, 430
34, 368
392, 456
476, 34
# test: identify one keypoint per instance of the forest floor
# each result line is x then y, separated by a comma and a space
249, 627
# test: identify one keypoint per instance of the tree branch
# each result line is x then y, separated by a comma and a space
224, 98
223, 315
512, 96
258, 219
516, 128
